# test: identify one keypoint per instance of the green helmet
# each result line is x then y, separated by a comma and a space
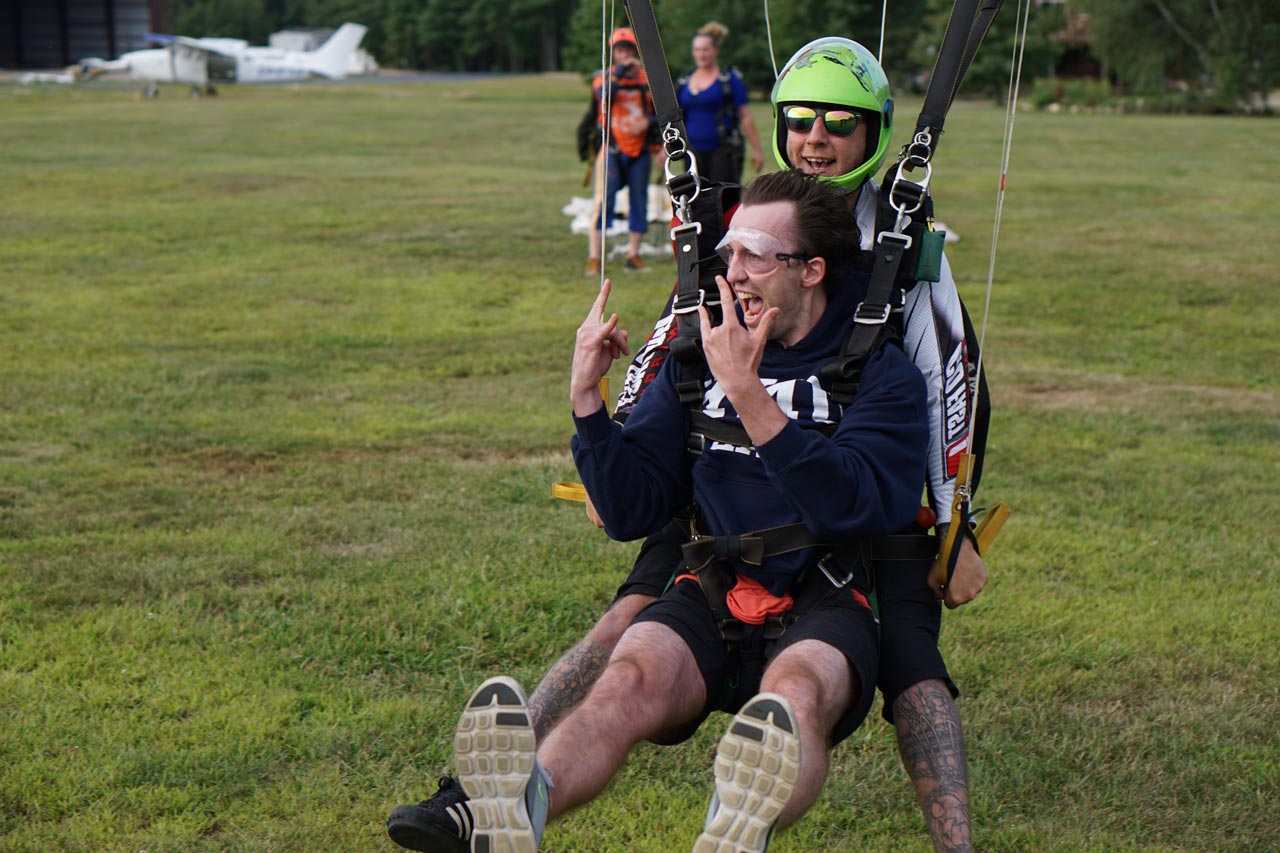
836, 72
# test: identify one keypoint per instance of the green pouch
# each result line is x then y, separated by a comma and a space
929, 265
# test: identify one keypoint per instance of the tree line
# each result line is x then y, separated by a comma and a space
1227, 48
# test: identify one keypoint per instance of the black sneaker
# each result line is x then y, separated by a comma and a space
441, 824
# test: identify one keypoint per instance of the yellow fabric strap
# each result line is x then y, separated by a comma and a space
987, 530
574, 491
990, 525
959, 503
569, 492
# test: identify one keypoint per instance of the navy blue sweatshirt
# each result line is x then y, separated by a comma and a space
862, 481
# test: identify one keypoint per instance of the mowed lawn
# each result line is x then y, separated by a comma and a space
283, 391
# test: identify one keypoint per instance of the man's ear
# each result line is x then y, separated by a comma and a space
815, 270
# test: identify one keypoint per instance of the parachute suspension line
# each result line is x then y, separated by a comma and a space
884, 18
768, 31
607, 11
1023, 14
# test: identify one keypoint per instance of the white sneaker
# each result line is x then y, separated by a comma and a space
757, 767
494, 753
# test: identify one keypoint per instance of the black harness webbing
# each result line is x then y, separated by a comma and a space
700, 208
966, 28
697, 266
871, 327
654, 57
751, 548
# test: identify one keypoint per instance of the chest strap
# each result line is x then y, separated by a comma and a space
751, 548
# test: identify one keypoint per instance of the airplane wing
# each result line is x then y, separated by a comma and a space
200, 45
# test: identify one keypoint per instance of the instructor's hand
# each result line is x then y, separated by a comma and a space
968, 579
599, 343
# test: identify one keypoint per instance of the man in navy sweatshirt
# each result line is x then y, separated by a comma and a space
768, 617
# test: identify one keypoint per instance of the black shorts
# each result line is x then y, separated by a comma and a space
733, 677
656, 565
910, 618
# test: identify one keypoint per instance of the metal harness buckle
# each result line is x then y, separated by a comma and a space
677, 308
685, 227
904, 240
838, 584
871, 321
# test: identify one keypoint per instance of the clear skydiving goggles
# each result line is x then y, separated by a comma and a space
759, 252
838, 122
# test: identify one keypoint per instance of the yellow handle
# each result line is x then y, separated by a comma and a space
569, 492
990, 525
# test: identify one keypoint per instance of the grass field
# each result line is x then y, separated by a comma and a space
282, 392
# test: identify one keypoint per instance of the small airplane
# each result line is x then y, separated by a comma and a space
200, 62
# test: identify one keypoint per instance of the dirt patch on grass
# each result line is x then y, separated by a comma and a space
1092, 392
226, 460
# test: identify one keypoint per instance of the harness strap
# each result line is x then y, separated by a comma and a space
697, 266
904, 546
663, 91
966, 28
810, 590
871, 327
728, 115
751, 548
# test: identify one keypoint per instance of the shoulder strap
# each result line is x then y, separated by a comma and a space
966, 28
728, 118
649, 43
697, 266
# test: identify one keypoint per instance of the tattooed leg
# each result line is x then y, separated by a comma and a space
931, 743
570, 678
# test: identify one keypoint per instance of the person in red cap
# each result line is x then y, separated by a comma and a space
624, 155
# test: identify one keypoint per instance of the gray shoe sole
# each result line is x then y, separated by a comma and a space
757, 766
493, 753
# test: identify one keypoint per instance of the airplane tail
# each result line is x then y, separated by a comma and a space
333, 58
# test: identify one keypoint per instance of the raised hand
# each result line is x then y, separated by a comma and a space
598, 344
733, 354
733, 351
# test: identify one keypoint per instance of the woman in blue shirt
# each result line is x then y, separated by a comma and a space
716, 115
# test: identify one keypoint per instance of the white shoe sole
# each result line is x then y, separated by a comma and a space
493, 752
757, 767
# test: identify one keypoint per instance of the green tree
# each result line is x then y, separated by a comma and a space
989, 72
747, 45
1227, 48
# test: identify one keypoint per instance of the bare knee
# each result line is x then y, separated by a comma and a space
819, 684
633, 689
806, 694
625, 677
608, 629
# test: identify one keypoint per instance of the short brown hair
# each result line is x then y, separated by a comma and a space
825, 227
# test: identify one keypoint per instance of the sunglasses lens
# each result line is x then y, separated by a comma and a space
840, 122
800, 119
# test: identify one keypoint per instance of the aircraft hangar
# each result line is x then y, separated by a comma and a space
58, 33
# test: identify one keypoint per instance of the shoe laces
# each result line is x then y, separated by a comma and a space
449, 792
